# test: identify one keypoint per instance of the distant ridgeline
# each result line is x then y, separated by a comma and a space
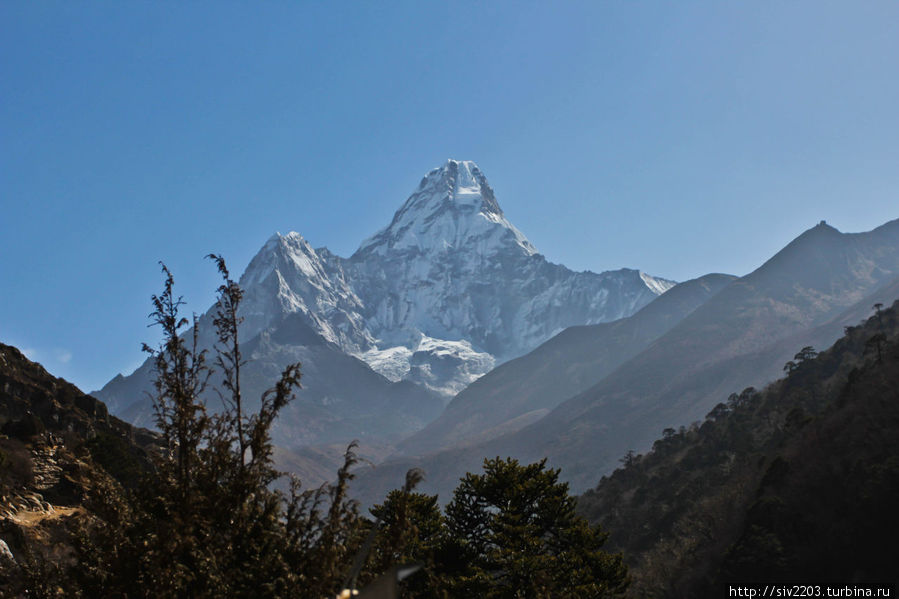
796, 484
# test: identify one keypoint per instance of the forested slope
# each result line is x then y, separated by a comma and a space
796, 483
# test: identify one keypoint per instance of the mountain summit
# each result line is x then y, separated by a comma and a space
288, 276
453, 208
450, 269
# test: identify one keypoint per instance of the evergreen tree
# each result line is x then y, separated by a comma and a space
411, 530
516, 534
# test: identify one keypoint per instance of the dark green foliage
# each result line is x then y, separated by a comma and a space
410, 529
409, 525
515, 534
797, 482
828, 498
509, 532
228, 356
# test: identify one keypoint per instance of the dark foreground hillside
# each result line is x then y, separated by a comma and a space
57, 445
796, 484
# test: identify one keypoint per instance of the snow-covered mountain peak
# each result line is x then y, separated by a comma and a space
288, 276
656, 284
290, 254
467, 185
453, 208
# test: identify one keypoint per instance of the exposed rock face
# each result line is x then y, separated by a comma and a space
6, 556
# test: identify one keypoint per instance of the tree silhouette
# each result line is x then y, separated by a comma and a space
805, 354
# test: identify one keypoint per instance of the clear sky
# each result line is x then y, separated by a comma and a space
679, 138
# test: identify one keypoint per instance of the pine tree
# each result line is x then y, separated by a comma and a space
517, 535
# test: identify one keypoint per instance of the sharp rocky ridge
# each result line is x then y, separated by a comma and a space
449, 289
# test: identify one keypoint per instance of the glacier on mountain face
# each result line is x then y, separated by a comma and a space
445, 367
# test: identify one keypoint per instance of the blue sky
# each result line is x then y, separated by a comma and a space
676, 137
